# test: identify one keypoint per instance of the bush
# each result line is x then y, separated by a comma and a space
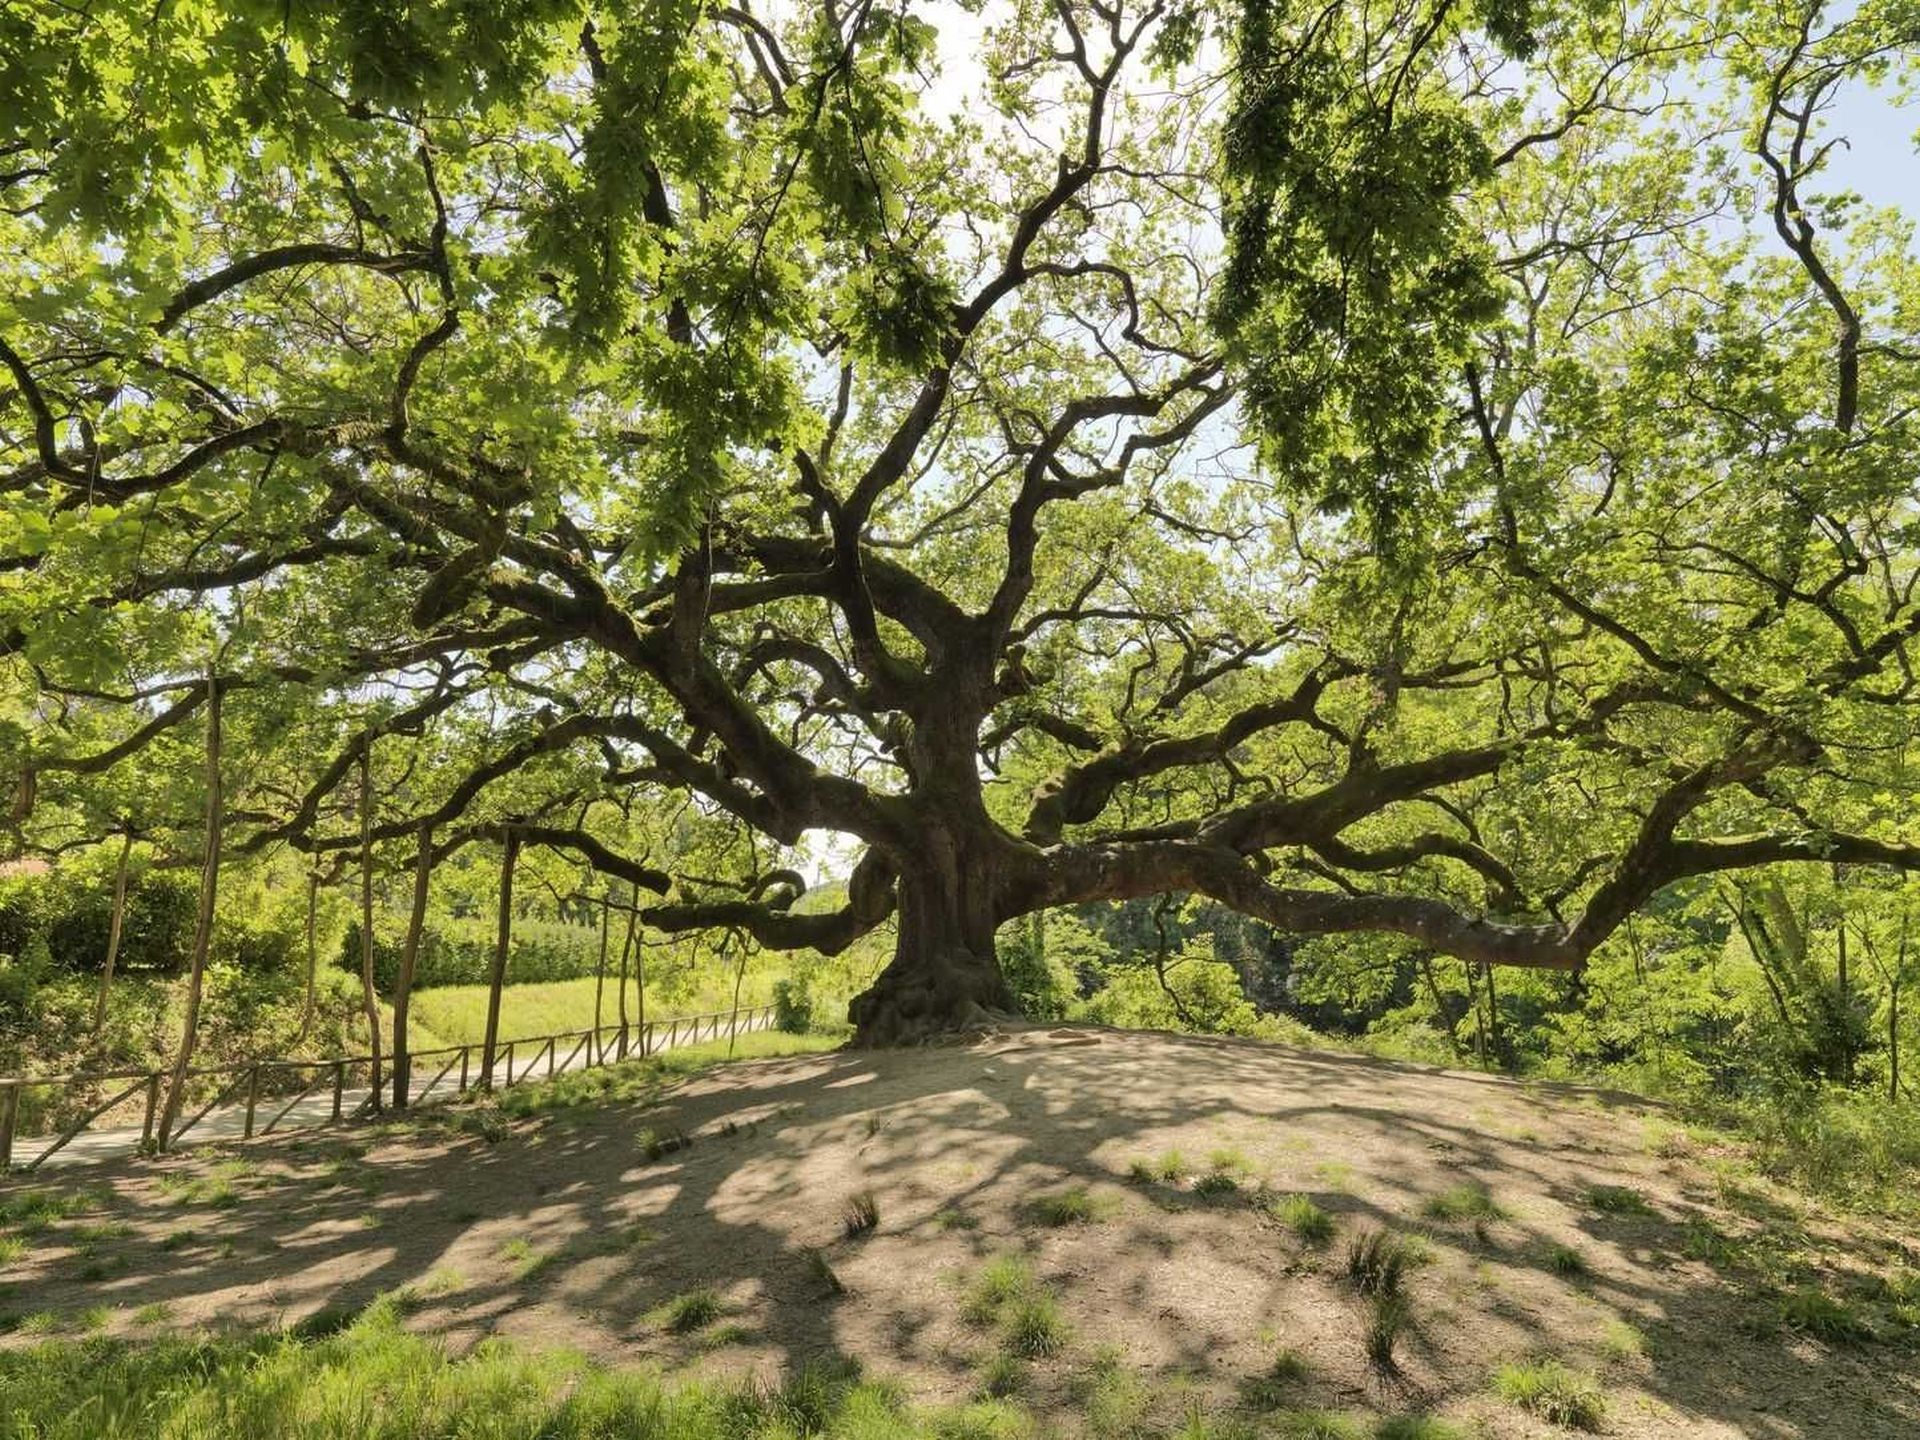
792, 1006
460, 952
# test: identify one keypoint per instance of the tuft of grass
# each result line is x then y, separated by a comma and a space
33, 1210
215, 1188
1112, 1399
1034, 1328
1302, 1216
156, 1313
695, 1310
1271, 1389
1002, 1376
1621, 1342
526, 1261
1554, 1393
12, 1247
1215, 1183
1816, 1313
1167, 1168
1067, 1207
1387, 1317
821, 1269
1469, 1200
1565, 1260
861, 1214
1377, 1261
1416, 1427
657, 1143
1230, 1159
1001, 1282
1616, 1200
1317, 1425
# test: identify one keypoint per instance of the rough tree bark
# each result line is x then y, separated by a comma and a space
203, 924
945, 973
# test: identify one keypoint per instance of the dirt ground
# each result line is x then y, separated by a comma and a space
576, 1229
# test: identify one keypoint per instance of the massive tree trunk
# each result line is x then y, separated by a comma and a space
945, 974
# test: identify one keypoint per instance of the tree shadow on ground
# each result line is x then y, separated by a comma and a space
581, 1228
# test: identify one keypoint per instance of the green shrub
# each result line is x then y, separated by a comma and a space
792, 1006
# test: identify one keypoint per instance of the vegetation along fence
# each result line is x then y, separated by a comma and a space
269, 1094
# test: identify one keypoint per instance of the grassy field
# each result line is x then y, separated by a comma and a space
457, 1014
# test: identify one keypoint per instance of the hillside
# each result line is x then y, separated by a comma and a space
1116, 1230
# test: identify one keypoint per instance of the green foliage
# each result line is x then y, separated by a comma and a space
460, 952
792, 1006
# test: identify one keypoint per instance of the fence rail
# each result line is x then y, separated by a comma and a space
241, 1093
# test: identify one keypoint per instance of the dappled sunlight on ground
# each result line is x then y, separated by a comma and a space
579, 1227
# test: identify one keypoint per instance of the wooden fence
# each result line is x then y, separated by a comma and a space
272, 1088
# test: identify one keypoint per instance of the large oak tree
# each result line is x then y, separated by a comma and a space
1415, 468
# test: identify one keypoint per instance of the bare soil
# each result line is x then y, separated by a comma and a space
576, 1228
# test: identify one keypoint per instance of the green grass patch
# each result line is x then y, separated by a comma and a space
1823, 1316
1565, 1260
1616, 1200
1169, 1167
1469, 1200
373, 1380
1033, 1327
1003, 1280
1067, 1207
457, 1014
1302, 1216
695, 1310
1416, 1427
1278, 1383
1550, 1390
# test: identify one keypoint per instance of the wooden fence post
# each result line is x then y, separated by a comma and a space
339, 1087
153, 1107
253, 1097
9, 1117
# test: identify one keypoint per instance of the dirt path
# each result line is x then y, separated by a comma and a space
577, 1230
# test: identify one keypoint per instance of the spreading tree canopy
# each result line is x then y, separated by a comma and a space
1434, 469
